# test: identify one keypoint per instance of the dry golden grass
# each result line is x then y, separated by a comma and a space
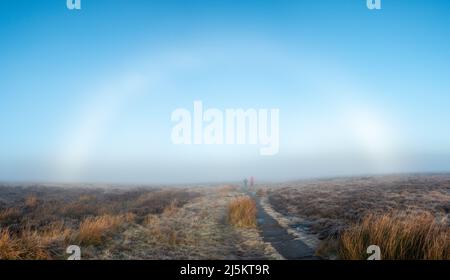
328, 206
30, 245
164, 231
9, 214
400, 235
129, 217
94, 229
86, 198
31, 201
55, 232
226, 189
171, 209
39, 222
198, 231
242, 212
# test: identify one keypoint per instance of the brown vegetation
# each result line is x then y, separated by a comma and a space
31, 201
27, 246
242, 212
93, 229
199, 230
358, 211
33, 244
226, 189
400, 236
124, 223
38, 222
328, 206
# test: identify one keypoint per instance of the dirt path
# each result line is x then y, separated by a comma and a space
198, 230
287, 245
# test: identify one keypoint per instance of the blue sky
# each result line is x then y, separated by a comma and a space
87, 95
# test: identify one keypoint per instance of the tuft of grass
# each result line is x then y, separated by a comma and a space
242, 212
31, 201
129, 217
39, 222
93, 230
400, 236
164, 231
333, 204
171, 209
9, 214
27, 246
55, 232
226, 189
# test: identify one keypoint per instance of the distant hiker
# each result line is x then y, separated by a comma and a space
245, 182
252, 181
